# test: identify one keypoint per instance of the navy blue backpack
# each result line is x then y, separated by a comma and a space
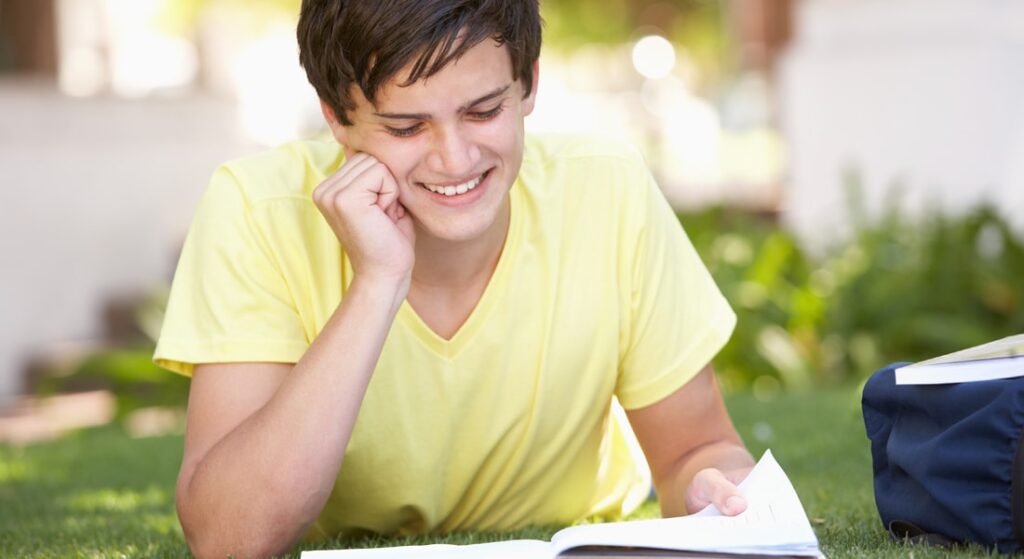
947, 459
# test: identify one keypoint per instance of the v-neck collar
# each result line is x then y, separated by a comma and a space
449, 349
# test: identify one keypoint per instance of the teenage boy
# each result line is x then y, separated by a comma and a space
420, 324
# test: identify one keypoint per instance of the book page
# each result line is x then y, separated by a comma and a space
773, 524
513, 549
1011, 346
995, 360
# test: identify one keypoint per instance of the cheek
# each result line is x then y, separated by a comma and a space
503, 135
400, 157
512, 143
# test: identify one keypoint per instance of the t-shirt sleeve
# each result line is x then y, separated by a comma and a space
678, 318
229, 301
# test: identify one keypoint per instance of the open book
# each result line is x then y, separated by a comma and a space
999, 359
774, 525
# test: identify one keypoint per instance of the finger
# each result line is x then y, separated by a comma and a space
372, 183
337, 181
359, 182
711, 487
734, 505
399, 210
353, 168
345, 174
392, 212
405, 224
388, 193
726, 496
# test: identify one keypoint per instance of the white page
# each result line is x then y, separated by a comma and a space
995, 360
972, 371
773, 524
514, 549
1009, 346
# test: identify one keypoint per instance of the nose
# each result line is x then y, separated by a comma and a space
454, 153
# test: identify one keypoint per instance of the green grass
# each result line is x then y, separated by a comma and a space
99, 493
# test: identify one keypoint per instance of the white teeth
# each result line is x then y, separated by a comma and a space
454, 190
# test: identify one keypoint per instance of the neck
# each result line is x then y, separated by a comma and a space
447, 265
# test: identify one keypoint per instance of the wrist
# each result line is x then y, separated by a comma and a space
387, 289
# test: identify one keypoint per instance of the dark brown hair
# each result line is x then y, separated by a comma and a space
367, 42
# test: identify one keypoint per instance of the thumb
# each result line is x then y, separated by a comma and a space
734, 504
711, 487
405, 222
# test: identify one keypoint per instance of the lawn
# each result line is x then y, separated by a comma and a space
100, 493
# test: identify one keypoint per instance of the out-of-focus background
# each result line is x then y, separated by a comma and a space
852, 171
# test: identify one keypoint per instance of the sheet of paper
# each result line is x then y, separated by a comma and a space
995, 360
515, 549
1006, 347
974, 371
773, 524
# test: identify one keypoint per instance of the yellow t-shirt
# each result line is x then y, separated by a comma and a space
597, 293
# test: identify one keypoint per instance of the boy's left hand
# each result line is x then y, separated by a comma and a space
712, 486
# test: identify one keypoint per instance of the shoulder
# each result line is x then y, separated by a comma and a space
291, 170
585, 169
581, 150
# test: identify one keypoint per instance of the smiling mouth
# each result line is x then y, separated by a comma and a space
457, 189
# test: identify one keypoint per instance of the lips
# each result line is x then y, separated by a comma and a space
454, 190
451, 190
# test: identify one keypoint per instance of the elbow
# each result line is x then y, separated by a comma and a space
208, 538
220, 552
211, 545
266, 524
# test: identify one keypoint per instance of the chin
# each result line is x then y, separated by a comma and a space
453, 232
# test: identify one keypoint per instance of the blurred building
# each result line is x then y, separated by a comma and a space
97, 189
916, 97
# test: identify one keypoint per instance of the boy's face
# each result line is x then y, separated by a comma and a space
460, 129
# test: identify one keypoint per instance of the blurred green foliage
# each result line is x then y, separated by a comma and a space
697, 26
182, 16
130, 375
127, 369
900, 290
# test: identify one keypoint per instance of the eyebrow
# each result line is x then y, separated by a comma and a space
426, 116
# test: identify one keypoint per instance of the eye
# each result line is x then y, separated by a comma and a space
403, 132
487, 115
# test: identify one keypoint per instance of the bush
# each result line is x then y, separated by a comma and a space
899, 290
123, 365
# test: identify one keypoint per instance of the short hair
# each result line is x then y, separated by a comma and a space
367, 42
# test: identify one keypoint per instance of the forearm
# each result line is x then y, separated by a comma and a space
260, 487
727, 455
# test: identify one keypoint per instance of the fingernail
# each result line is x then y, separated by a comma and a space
735, 504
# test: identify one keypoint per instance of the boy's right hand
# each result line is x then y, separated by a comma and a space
360, 203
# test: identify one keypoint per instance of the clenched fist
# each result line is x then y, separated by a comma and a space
360, 203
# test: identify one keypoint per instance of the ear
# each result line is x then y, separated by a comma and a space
530, 100
337, 129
